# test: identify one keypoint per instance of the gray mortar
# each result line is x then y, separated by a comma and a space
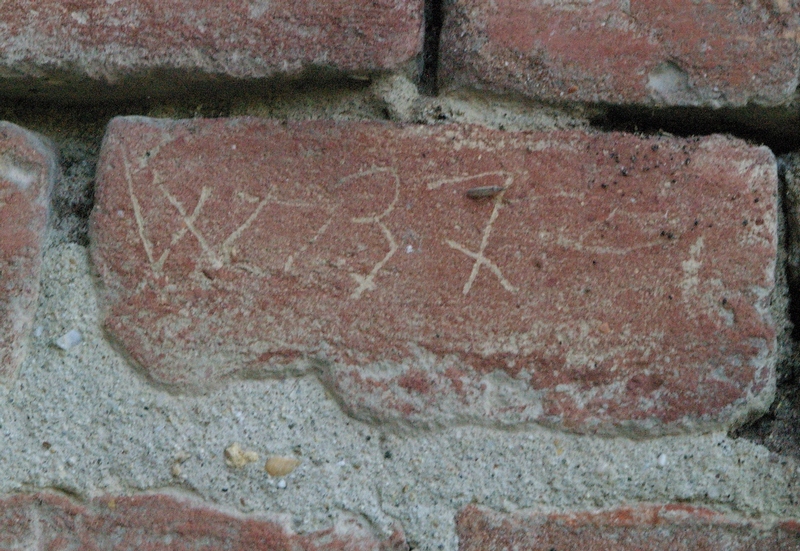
84, 422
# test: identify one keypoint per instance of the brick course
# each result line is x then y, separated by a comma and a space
110, 42
163, 522
617, 283
661, 52
674, 527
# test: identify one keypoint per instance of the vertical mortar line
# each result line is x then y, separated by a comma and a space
790, 236
433, 15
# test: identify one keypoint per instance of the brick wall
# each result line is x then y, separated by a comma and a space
399, 275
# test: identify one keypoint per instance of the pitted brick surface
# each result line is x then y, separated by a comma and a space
245, 39
617, 284
675, 527
663, 52
27, 172
163, 522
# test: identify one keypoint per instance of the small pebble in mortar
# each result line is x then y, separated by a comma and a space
236, 457
279, 465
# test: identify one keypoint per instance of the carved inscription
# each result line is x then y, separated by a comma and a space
334, 204
480, 259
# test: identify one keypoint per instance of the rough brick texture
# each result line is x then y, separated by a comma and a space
618, 283
643, 528
162, 522
666, 52
109, 41
27, 172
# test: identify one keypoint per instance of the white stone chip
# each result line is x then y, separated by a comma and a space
70, 339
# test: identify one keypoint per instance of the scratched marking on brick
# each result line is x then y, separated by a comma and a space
472, 193
609, 284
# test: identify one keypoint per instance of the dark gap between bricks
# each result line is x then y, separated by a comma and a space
433, 15
67, 87
776, 127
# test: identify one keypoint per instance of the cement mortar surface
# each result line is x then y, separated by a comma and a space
83, 421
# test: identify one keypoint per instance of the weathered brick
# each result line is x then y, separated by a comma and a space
674, 527
46, 44
163, 522
662, 52
619, 283
27, 171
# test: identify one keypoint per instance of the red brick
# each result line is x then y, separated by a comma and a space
163, 522
27, 171
643, 528
623, 285
664, 52
108, 41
